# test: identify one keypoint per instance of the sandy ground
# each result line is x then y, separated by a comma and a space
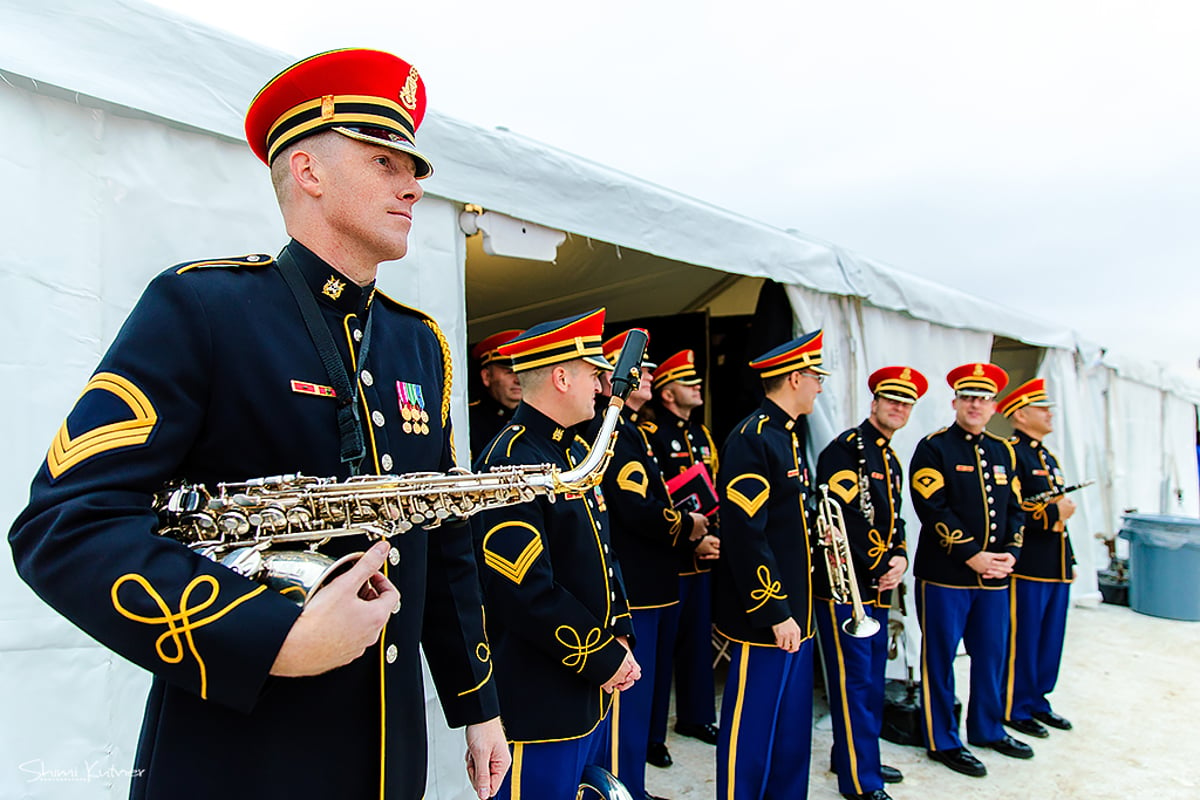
1129, 684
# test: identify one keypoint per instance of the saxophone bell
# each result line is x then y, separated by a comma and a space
599, 782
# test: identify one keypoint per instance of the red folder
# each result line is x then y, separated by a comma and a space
692, 490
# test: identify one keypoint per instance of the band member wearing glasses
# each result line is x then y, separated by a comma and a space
965, 493
866, 480
237, 368
763, 588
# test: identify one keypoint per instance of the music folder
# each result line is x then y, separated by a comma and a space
692, 490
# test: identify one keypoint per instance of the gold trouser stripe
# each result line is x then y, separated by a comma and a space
924, 676
743, 668
615, 739
515, 777
841, 661
1012, 648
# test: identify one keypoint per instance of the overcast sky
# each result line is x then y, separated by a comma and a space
1044, 154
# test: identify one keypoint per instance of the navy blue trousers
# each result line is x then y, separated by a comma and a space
630, 718
686, 653
979, 619
1038, 616
765, 743
551, 770
854, 670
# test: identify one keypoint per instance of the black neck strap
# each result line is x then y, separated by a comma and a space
353, 447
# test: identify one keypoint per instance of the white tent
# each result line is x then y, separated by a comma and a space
121, 158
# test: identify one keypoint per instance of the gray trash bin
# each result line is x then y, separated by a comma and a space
1164, 565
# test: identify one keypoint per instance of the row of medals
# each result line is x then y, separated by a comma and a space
416, 420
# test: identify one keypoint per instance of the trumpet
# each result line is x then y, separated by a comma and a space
831, 534
243, 525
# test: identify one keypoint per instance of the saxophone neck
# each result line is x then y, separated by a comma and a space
590, 472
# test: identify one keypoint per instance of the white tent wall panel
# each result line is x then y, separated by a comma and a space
1075, 432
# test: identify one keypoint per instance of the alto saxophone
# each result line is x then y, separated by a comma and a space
248, 526
843, 584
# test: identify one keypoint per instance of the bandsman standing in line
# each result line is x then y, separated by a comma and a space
965, 492
229, 369
865, 477
649, 538
763, 586
501, 390
1042, 578
685, 644
558, 620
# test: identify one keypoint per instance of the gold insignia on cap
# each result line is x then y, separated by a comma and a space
978, 373
333, 288
906, 375
327, 107
408, 95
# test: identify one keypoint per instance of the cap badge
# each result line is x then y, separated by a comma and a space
978, 373
333, 288
906, 375
327, 107
408, 95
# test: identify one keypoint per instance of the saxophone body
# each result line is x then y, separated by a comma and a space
271, 529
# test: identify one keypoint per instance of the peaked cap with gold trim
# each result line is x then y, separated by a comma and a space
977, 380
1029, 393
368, 95
899, 383
612, 348
679, 367
487, 349
801, 353
558, 341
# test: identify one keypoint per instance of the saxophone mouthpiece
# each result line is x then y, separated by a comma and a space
628, 371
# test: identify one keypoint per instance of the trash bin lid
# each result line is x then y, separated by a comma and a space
1161, 530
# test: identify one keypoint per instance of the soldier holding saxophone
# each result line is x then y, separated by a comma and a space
865, 478
230, 369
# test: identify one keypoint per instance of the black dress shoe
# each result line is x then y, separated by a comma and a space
1053, 720
706, 732
1029, 727
1008, 746
657, 755
890, 774
961, 760
878, 794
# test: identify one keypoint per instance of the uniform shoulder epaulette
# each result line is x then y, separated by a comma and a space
502, 444
938, 432
252, 260
1007, 445
847, 436
394, 303
648, 426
